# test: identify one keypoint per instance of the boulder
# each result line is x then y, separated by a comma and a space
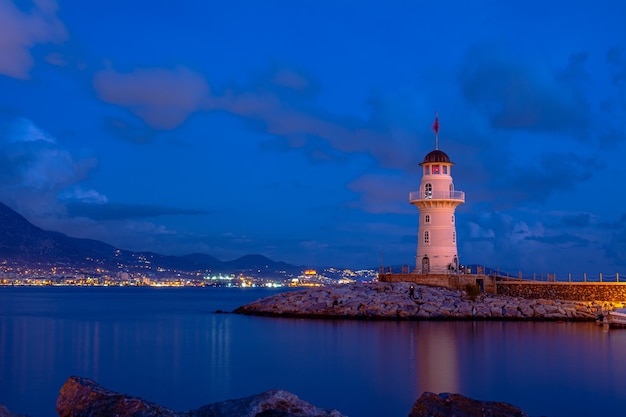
273, 403
4, 412
82, 397
446, 405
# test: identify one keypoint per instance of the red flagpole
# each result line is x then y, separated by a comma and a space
436, 129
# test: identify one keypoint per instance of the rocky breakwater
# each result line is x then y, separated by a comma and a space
378, 300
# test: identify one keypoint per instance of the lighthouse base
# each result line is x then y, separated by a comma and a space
453, 281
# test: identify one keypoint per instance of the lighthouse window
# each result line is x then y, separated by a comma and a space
435, 169
425, 170
427, 218
445, 170
426, 237
428, 190
452, 218
453, 237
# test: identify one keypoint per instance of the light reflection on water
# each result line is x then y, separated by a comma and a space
167, 346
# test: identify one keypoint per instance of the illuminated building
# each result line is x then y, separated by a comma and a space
436, 201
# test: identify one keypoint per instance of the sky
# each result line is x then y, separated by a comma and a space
295, 129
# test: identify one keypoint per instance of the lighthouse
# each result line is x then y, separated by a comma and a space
436, 201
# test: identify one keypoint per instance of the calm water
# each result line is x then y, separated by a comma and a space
168, 346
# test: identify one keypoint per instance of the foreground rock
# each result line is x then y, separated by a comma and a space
446, 405
382, 300
4, 412
82, 397
274, 403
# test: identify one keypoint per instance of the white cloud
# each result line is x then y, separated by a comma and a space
84, 196
25, 130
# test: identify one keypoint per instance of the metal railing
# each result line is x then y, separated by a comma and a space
583, 277
437, 195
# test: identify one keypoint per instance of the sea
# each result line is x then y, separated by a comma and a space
177, 347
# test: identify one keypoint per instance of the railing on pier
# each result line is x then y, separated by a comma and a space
536, 277
569, 277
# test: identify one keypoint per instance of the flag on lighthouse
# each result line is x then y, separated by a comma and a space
436, 125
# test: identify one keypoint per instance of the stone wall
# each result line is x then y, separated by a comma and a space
458, 282
577, 291
432, 280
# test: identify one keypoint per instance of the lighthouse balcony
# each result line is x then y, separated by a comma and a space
437, 195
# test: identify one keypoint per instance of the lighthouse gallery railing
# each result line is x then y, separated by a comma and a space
437, 195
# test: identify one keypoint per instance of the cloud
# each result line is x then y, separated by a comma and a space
617, 64
278, 103
536, 241
132, 132
291, 79
383, 193
577, 220
20, 30
34, 168
301, 126
553, 172
525, 95
613, 107
488, 236
108, 211
615, 247
77, 194
561, 240
44, 182
162, 97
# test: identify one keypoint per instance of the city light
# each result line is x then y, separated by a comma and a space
147, 275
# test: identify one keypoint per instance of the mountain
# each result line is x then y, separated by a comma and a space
23, 243
20, 239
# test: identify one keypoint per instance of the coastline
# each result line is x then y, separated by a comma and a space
392, 301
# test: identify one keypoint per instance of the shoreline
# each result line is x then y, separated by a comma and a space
392, 301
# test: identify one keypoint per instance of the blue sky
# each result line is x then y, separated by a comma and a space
294, 129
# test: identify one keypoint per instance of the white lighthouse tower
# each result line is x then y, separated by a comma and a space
436, 201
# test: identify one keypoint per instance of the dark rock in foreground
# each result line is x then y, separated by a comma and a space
274, 403
446, 405
392, 301
82, 397
4, 412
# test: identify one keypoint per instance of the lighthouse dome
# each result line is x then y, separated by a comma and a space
436, 156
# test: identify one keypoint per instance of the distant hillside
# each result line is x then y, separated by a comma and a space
23, 242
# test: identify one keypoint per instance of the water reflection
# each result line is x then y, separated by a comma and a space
436, 359
167, 348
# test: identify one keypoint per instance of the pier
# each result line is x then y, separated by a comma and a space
604, 289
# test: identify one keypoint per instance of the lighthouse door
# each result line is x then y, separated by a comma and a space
425, 265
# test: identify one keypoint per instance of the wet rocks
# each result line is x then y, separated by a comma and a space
378, 300
4, 412
445, 405
82, 397
85, 397
273, 403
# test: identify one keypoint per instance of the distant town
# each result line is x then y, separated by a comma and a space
17, 274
